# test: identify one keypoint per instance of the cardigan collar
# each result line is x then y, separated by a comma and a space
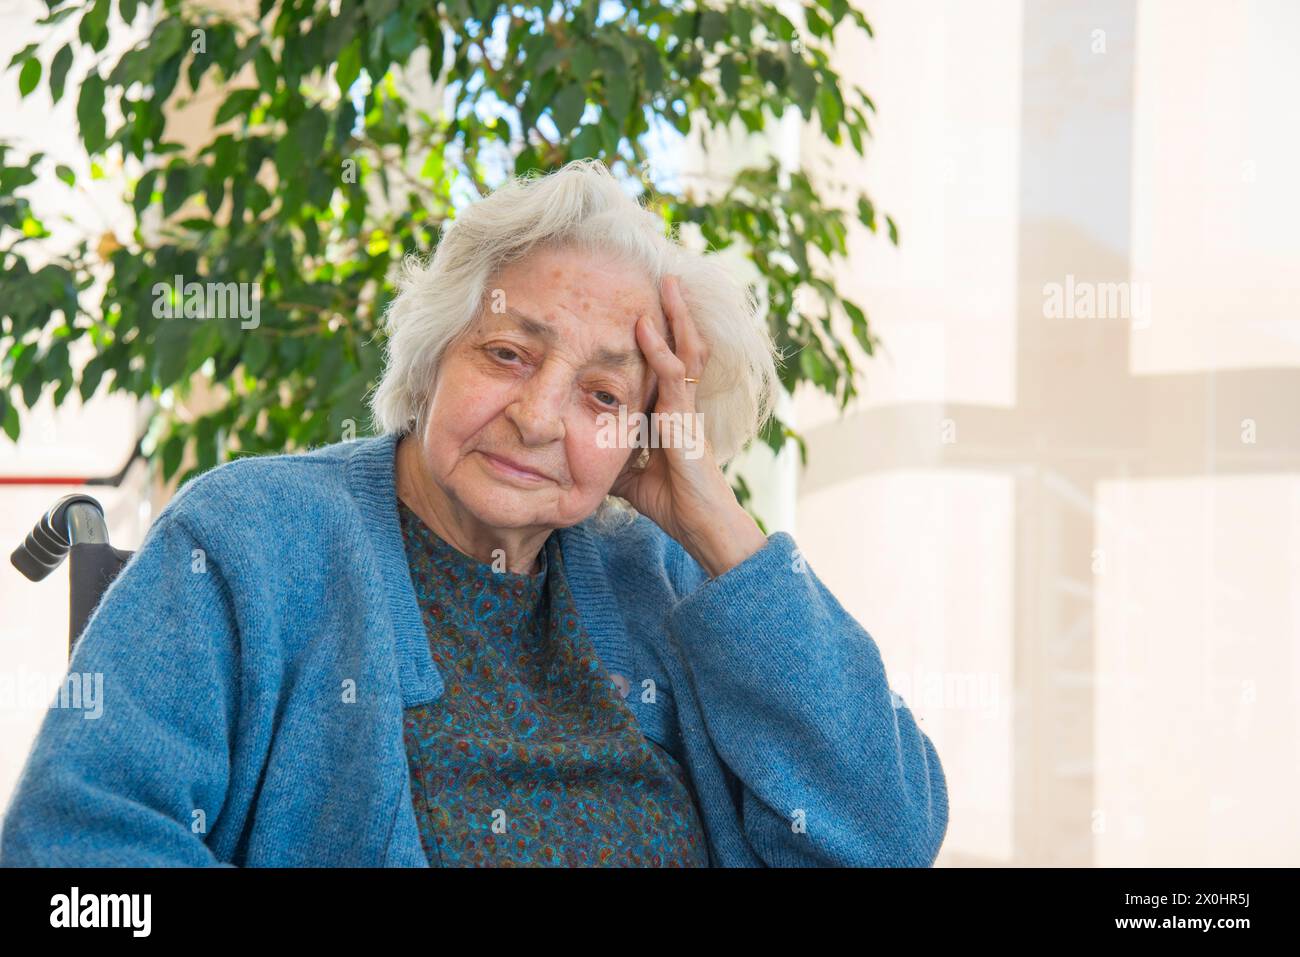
372, 479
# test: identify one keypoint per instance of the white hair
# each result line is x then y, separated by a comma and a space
580, 205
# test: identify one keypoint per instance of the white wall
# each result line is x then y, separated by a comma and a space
1095, 517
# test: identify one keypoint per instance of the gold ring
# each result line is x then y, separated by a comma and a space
689, 379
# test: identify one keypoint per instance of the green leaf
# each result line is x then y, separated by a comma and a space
713, 26
143, 191
400, 36
867, 213
651, 65
730, 75
692, 66
264, 68
65, 174
377, 11
310, 131
586, 143
288, 158
349, 66
136, 66
91, 375
171, 343
583, 60
528, 160
830, 110
804, 83
861, 330
770, 68
24, 54
618, 93
29, 77
742, 24
172, 452
855, 136
817, 26
11, 426
33, 385
59, 71
681, 121
205, 445
167, 39
567, 107
93, 29
177, 189
90, 112
238, 103
256, 353
205, 343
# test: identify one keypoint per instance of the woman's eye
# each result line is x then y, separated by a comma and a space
601, 397
509, 352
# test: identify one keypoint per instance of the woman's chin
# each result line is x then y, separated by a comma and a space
510, 508
517, 511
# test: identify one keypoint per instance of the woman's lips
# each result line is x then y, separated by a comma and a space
513, 470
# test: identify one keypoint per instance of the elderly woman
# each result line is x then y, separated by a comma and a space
455, 644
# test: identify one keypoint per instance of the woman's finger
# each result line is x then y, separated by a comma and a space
682, 428
691, 347
668, 368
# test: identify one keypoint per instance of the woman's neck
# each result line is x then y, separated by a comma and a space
456, 526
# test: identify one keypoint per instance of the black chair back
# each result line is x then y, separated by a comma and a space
74, 527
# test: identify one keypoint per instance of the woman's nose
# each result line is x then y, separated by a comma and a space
538, 410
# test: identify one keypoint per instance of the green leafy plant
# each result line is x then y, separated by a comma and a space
322, 170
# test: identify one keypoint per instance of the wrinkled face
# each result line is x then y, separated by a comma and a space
528, 381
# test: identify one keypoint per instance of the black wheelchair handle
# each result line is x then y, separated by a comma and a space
74, 520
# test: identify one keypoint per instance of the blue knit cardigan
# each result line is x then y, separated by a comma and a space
259, 649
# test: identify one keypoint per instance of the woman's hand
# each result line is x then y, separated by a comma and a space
688, 497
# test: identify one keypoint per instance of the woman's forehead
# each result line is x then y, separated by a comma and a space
553, 317
585, 300
578, 275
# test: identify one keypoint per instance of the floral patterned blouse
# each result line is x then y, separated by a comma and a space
530, 758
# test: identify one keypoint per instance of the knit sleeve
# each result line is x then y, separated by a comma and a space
141, 782
833, 768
